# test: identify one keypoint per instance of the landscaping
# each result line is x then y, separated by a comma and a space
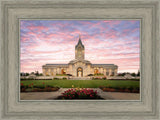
61, 75
99, 74
37, 88
79, 89
130, 89
80, 93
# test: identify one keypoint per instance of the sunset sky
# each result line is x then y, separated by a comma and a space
106, 42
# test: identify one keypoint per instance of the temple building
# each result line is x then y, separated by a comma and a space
79, 67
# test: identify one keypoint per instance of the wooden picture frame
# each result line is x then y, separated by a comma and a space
145, 11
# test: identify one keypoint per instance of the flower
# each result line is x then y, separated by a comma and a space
72, 86
21, 84
79, 94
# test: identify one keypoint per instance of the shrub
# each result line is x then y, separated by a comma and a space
101, 87
110, 86
137, 88
90, 74
29, 86
131, 89
55, 78
22, 86
35, 86
117, 88
41, 87
98, 74
124, 87
27, 79
48, 89
26, 86
80, 94
48, 86
95, 78
69, 74
64, 78
35, 89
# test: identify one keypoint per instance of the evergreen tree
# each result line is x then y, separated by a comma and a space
36, 73
138, 74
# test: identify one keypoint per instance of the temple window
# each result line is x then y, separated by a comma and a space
107, 73
63, 71
113, 73
96, 71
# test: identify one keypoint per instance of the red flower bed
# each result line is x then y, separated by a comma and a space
80, 94
32, 88
129, 90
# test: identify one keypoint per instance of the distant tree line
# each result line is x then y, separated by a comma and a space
133, 74
34, 73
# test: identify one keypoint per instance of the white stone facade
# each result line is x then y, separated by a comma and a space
79, 67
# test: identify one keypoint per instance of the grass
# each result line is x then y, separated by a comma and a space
83, 83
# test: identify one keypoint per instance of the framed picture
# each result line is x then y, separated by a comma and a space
63, 68
80, 59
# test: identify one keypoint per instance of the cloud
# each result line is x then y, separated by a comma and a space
105, 41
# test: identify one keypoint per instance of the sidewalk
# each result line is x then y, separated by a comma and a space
53, 95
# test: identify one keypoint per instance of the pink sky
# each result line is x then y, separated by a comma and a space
106, 42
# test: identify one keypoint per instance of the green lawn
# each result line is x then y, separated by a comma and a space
83, 83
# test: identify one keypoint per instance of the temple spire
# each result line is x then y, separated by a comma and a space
79, 36
79, 50
79, 42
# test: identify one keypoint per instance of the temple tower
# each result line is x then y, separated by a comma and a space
79, 50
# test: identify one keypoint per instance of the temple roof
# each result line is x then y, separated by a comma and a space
76, 60
104, 65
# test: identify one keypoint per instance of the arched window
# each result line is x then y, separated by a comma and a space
113, 73
47, 74
52, 73
107, 73
63, 71
96, 71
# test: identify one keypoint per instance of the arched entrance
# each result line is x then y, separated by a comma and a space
79, 72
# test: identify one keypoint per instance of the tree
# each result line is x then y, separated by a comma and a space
133, 74
36, 73
27, 74
40, 74
138, 74
21, 74
121, 74
24, 74
32, 72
